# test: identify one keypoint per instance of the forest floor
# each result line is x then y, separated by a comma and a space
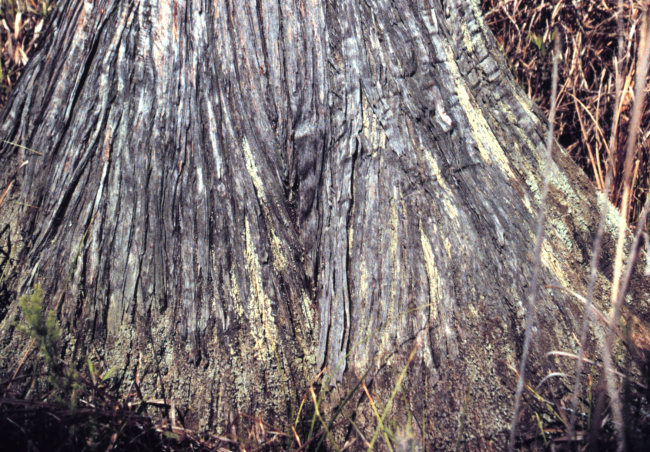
589, 126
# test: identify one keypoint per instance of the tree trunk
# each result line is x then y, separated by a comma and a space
232, 196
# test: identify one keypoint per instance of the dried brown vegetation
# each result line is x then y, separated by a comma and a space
585, 104
22, 22
523, 29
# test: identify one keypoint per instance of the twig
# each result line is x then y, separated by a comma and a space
23, 147
588, 305
530, 313
611, 150
2, 198
398, 386
13, 179
612, 385
589, 361
380, 423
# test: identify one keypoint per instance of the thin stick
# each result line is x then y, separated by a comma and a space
588, 305
634, 253
398, 385
320, 418
595, 259
380, 423
594, 363
23, 147
630, 153
2, 198
611, 151
13, 179
541, 220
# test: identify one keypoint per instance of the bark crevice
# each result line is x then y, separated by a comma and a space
268, 188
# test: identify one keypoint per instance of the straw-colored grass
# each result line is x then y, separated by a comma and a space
22, 22
598, 99
585, 104
523, 29
602, 121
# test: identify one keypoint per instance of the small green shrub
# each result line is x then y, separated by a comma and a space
43, 329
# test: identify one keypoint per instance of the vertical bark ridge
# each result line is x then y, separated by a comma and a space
177, 190
433, 173
235, 195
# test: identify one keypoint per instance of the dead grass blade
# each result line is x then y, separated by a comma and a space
541, 220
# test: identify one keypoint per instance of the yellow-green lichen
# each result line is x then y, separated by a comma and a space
260, 305
372, 130
234, 293
395, 263
432, 274
487, 143
280, 261
467, 37
549, 261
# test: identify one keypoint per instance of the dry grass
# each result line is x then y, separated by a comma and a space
589, 123
602, 121
22, 22
523, 29
585, 105
80, 406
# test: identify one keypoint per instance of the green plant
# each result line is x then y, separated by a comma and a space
539, 43
43, 329
74, 407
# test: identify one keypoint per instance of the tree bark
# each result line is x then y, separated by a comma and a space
235, 195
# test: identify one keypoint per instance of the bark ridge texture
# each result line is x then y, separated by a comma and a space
235, 195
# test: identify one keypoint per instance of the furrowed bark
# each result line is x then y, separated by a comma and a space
235, 195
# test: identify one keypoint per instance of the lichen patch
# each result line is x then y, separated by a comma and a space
260, 305
487, 143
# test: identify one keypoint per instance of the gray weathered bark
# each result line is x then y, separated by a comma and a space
234, 195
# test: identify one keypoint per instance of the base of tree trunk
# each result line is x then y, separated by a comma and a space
228, 199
